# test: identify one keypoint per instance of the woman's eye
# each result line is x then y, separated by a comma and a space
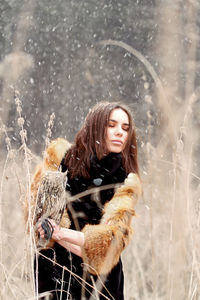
126, 128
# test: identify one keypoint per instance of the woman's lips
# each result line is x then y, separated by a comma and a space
117, 142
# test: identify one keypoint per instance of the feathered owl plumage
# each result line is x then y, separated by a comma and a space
51, 196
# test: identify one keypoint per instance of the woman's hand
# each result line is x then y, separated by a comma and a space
70, 239
57, 231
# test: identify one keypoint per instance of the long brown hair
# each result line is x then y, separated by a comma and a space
90, 140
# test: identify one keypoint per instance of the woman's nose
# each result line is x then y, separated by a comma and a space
119, 131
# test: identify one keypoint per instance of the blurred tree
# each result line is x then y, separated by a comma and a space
71, 72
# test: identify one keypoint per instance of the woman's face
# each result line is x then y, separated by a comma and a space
117, 130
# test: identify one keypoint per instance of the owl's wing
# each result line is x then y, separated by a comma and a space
51, 196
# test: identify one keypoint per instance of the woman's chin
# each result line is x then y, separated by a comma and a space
115, 149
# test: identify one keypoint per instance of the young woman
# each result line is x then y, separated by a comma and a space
104, 153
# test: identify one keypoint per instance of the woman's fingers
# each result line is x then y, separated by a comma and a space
41, 231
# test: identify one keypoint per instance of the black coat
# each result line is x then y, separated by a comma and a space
86, 210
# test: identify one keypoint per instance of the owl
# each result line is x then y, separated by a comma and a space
51, 201
48, 196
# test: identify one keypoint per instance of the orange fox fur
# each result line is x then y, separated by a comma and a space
104, 242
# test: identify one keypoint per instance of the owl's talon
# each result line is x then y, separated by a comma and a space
48, 229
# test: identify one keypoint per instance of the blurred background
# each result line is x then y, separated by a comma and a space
64, 56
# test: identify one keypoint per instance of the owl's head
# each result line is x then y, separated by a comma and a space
54, 180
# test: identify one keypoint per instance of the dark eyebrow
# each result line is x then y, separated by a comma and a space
126, 124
